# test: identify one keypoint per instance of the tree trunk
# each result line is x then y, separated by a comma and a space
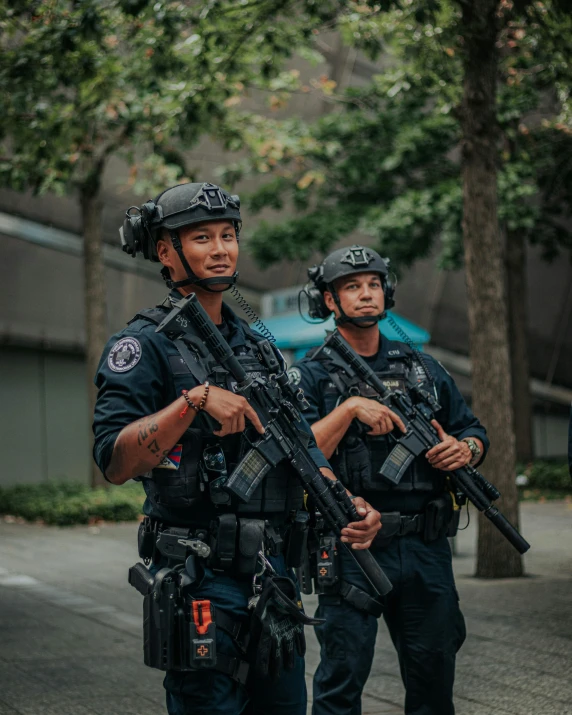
488, 325
94, 295
515, 262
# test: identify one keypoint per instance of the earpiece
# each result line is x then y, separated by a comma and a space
317, 308
135, 233
388, 287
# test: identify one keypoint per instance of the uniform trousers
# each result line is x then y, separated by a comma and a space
424, 621
209, 692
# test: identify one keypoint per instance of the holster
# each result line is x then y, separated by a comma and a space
438, 516
159, 623
179, 632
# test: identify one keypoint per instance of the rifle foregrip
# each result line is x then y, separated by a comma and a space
507, 529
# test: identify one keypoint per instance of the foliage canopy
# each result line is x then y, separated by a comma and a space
386, 160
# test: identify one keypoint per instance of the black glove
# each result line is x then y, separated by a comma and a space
277, 628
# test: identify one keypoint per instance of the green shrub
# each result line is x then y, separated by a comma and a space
547, 474
65, 503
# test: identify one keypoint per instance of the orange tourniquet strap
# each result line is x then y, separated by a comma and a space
202, 616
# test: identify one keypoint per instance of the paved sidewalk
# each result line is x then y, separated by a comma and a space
70, 639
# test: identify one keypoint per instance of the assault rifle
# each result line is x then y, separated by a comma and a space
275, 402
417, 408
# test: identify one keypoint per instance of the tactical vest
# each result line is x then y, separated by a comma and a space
359, 456
189, 479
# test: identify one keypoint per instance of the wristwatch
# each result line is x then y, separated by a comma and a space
476, 451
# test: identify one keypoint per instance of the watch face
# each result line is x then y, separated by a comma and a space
474, 447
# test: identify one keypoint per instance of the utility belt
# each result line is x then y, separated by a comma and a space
229, 544
322, 566
179, 632
440, 518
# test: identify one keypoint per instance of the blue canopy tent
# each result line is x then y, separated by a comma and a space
293, 333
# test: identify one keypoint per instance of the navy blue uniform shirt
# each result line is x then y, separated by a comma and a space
135, 380
454, 416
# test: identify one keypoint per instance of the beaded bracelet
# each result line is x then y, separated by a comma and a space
190, 403
203, 401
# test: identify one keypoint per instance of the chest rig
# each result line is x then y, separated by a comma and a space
359, 456
193, 479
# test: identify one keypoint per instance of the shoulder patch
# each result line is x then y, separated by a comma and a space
295, 375
124, 355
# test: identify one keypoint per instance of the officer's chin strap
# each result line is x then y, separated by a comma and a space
365, 321
192, 279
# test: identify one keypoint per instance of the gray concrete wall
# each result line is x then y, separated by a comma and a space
41, 292
43, 417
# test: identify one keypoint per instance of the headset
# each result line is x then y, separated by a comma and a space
135, 234
314, 293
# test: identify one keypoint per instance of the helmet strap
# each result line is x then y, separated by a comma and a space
362, 322
193, 279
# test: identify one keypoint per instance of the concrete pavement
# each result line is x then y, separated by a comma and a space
70, 638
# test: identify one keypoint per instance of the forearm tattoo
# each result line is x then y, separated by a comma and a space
146, 430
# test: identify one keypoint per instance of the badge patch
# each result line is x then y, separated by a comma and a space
173, 459
295, 375
124, 355
421, 374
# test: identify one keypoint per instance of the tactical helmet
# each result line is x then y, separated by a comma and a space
341, 263
352, 260
181, 205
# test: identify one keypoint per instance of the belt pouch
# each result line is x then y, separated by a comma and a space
159, 647
438, 514
250, 538
390, 526
224, 545
203, 635
297, 539
146, 539
327, 565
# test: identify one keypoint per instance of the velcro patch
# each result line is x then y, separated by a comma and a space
173, 459
124, 355
295, 375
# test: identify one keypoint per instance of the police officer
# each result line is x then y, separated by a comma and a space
166, 415
353, 431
